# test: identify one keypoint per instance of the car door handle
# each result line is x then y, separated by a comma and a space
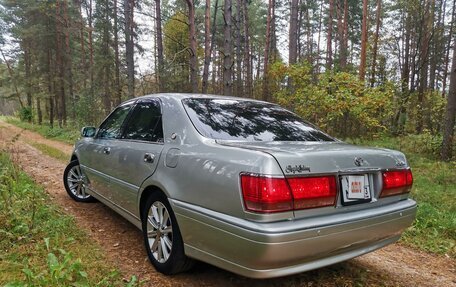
107, 150
149, 157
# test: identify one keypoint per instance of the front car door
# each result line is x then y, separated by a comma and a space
137, 153
97, 153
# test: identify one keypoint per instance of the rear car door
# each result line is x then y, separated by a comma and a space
137, 152
96, 155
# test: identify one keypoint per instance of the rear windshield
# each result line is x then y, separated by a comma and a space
243, 120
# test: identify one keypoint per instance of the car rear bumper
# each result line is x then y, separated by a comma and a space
264, 250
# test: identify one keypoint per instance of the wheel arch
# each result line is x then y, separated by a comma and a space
146, 192
74, 157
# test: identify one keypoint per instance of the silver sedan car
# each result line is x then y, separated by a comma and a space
242, 184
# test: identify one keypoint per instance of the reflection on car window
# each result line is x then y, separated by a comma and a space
110, 128
145, 123
249, 121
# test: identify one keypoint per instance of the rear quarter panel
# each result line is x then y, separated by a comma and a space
206, 174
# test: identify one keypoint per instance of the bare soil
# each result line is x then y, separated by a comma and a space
395, 265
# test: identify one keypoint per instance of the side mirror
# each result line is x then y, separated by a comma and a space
88, 132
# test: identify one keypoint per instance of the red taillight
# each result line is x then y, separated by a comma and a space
310, 192
266, 194
396, 182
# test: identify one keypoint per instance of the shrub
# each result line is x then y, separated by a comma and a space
25, 114
339, 103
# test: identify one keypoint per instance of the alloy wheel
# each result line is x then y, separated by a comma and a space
159, 232
75, 182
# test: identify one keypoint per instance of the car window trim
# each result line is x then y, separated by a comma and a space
191, 120
201, 130
127, 119
140, 141
132, 104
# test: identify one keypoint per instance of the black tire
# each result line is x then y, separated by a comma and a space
69, 174
177, 261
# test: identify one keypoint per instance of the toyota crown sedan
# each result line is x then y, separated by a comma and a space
245, 185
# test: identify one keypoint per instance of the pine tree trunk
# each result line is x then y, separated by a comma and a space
309, 32
38, 111
193, 47
239, 86
375, 48
60, 89
247, 57
129, 47
267, 49
118, 88
49, 84
27, 64
447, 54
362, 65
273, 43
329, 36
214, 67
405, 76
424, 65
448, 131
227, 50
91, 60
82, 43
433, 47
68, 60
299, 33
213, 51
317, 71
207, 46
413, 59
293, 33
159, 39
106, 70
258, 69
344, 39
340, 34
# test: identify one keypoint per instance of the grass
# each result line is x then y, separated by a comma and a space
68, 134
434, 188
50, 151
41, 245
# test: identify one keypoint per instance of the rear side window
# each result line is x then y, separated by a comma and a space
110, 128
244, 120
145, 123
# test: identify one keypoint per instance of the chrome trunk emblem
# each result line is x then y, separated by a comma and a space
358, 161
400, 163
297, 168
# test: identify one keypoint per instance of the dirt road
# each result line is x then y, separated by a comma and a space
395, 265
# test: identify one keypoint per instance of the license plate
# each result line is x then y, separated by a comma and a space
355, 189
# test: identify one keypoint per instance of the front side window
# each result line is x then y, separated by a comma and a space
244, 120
110, 128
145, 123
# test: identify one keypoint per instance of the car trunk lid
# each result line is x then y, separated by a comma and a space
303, 158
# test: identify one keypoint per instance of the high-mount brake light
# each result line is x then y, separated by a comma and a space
270, 194
396, 182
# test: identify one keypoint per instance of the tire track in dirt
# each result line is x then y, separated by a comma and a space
122, 243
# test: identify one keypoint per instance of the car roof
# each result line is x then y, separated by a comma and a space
181, 96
